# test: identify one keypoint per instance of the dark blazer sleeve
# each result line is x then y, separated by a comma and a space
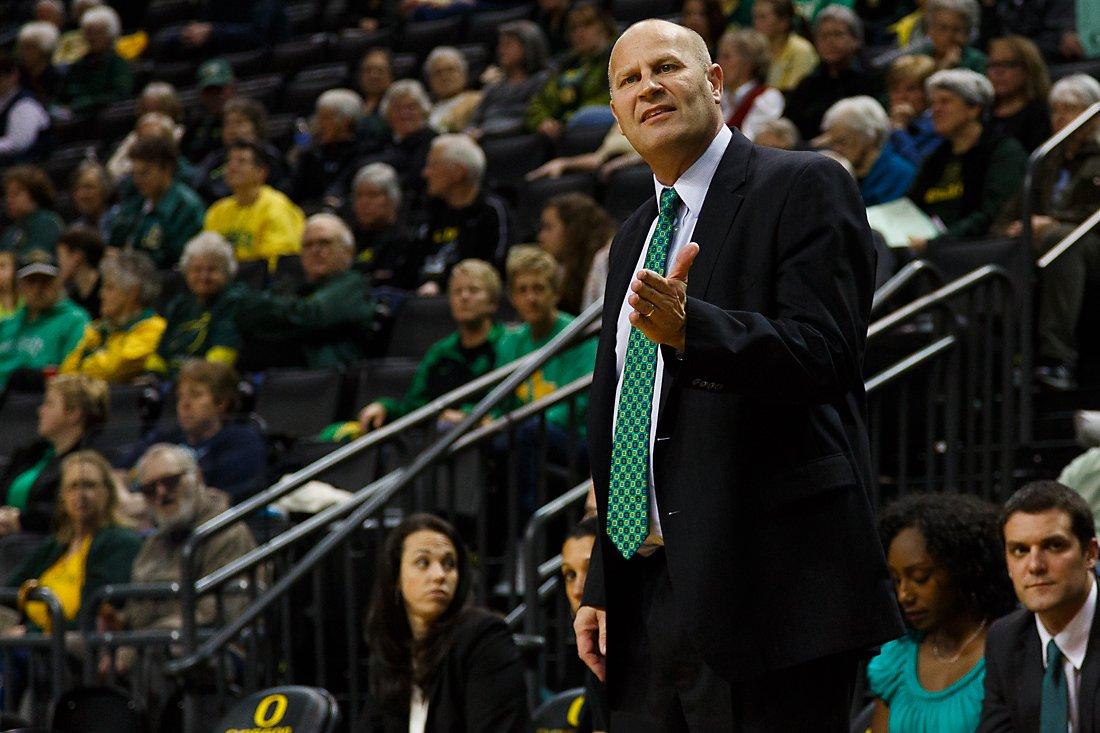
110, 560
811, 351
996, 714
496, 696
595, 590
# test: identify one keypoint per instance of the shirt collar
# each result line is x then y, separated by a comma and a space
692, 186
1072, 641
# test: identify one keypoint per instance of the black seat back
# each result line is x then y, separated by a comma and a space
98, 710
292, 707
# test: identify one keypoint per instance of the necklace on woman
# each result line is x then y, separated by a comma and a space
951, 660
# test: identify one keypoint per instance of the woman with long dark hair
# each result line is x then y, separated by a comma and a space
573, 228
436, 663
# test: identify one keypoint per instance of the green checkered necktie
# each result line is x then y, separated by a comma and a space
628, 493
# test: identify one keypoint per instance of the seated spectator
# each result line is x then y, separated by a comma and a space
71, 46
244, 120
474, 295
577, 93
550, 16
24, 122
231, 455
161, 214
706, 18
34, 49
575, 553
1066, 192
462, 219
913, 136
1051, 552
521, 73
224, 27
201, 320
9, 288
858, 129
382, 241
42, 331
260, 222
747, 100
157, 97
217, 86
435, 658
950, 24
92, 192
793, 57
28, 197
91, 547
1021, 84
116, 346
79, 252
966, 180
947, 565
101, 76
838, 38
327, 321
448, 77
151, 124
780, 134
73, 409
171, 481
322, 175
405, 106
1051, 24
577, 232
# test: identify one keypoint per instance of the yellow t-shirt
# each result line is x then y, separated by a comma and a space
66, 579
793, 64
269, 228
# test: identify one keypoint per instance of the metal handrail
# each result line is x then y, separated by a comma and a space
1070, 239
532, 570
910, 363
369, 500
938, 297
55, 639
904, 276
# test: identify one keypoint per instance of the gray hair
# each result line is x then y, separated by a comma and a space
184, 457
462, 150
212, 245
382, 175
129, 269
343, 233
343, 102
752, 45
970, 86
841, 14
82, 6
782, 128
41, 34
440, 53
967, 9
1081, 89
161, 120
405, 88
863, 115
102, 15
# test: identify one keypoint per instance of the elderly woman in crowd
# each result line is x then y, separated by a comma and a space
28, 197
780, 134
373, 79
323, 172
577, 94
232, 455
92, 191
574, 229
858, 129
436, 662
117, 345
381, 240
747, 100
913, 135
72, 411
405, 107
950, 25
448, 77
966, 180
521, 67
793, 57
90, 547
947, 563
71, 47
1021, 84
34, 47
200, 321
244, 120
1066, 192
101, 76
474, 295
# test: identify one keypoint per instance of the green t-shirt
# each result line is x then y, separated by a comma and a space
159, 230
40, 342
20, 487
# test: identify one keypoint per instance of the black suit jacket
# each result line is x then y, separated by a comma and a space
1014, 677
761, 460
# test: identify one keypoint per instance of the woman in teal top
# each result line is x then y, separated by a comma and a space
946, 561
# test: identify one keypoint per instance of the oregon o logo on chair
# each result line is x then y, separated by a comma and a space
270, 711
286, 709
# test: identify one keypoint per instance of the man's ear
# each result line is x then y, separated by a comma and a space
1091, 552
714, 76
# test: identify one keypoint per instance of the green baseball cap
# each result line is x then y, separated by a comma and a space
214, 73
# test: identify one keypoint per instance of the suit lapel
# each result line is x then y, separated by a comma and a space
1088, 701
1030, 680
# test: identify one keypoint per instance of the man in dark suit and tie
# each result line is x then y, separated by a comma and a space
738, 574
1042, 663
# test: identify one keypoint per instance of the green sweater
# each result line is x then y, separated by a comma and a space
194, 328
37, 230
162, 231
556, 373
445, 366
39, 342
110, 557
582, 82
96, 81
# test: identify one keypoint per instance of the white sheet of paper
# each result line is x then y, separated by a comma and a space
900, 219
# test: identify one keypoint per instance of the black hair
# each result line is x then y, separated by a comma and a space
159, 151
587, 527
962, 535
86, 240
259, 155
398, 661
1041, 496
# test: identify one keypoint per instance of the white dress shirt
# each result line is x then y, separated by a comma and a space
691, 187
768, 106
1073, 642
26, 122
